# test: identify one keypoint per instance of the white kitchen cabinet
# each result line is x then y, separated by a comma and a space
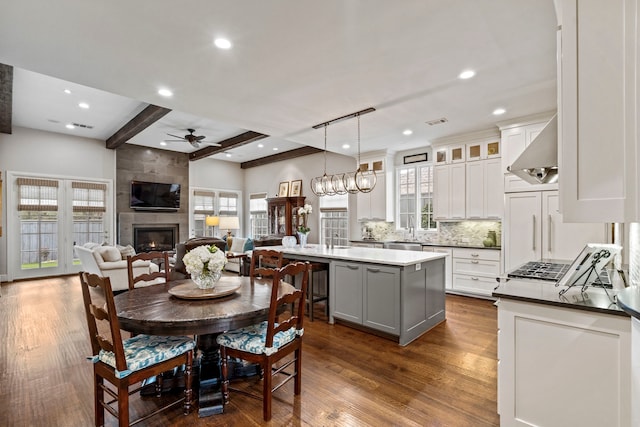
448, 262
373, 205
484, 190
449, 191
533, 229
515, 137
598, 85
448, 154
475, 270
562, 367
379, 203
482, 150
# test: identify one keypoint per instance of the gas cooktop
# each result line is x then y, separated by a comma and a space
552, 272
540, 270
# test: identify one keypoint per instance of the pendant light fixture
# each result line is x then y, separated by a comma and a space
322, 185
360, 181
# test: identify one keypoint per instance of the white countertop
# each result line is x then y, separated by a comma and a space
370, 255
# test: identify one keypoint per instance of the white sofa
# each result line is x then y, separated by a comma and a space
107, 261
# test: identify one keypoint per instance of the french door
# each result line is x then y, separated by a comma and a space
47, 216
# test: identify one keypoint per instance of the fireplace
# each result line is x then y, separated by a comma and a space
152, 237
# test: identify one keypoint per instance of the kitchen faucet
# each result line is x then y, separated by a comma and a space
412, 229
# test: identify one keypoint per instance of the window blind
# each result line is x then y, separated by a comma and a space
89, 196
37, 194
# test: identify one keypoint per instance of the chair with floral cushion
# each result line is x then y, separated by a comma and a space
268, 342
127, 363
151, 278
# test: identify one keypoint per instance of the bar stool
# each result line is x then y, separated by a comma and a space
312, 297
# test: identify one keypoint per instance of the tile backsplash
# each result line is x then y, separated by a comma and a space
472, 233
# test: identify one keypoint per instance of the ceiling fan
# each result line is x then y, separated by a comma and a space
194, 140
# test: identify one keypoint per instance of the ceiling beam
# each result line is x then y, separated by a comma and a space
236, 141
286, 155
6, 97
144, 119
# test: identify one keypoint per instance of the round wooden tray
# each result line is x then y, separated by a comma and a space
189, 290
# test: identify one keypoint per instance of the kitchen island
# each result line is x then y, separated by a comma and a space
562, 359
396, 294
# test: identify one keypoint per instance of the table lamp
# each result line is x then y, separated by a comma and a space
212, 221
230, 223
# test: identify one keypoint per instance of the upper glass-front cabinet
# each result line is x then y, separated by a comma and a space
449, 154
483, 150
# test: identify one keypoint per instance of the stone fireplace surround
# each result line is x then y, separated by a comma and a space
144, 164
127, 222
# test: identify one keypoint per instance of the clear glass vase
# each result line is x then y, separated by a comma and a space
206, 280
302, 238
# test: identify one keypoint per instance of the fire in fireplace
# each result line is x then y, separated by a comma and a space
148, 238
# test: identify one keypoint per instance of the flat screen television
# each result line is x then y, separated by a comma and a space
154, 196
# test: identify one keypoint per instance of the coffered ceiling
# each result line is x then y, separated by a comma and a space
292, 65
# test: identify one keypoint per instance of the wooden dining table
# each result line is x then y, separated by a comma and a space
154, 310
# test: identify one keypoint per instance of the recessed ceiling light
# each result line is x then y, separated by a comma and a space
163, 143
346, 146
228, 154
67, 91
222, 43
260, 145
165, 92
83, 105
466, 74
407, 132
275, 148
70, 126
499, 111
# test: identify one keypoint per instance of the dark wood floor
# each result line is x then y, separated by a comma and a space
446, 378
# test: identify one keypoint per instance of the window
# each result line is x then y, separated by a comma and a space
38, 217
334, 223
89, 208
208, 202
334, 220
258, 215
228, 204
203, 206
415, 197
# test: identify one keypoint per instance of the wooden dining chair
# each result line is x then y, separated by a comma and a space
161, 276
125, 363
264, 259
270, 341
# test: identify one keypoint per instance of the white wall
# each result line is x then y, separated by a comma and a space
267, 178
38, 152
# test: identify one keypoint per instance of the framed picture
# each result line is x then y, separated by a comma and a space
283, 189
296, 188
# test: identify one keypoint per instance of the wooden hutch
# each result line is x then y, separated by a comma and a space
283, 215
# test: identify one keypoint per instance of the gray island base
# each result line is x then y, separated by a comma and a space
396, 294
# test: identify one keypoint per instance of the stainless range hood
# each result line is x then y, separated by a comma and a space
538, 163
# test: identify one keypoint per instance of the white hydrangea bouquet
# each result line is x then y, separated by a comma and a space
205, 264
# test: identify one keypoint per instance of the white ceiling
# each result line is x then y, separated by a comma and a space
293, 65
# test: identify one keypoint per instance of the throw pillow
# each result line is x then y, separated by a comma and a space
91, 245
110, 253
237, 244
248, 245
125, 251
